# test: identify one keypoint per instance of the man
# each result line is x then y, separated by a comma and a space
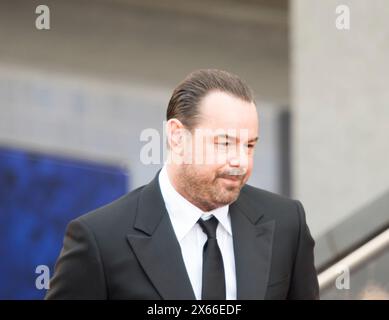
196, 231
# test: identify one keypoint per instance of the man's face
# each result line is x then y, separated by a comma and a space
219, 155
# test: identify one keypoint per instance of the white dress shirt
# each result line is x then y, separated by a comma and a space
184, 216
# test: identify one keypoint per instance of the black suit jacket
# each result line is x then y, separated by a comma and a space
128, 250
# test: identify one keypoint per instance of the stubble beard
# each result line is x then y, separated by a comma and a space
204, 193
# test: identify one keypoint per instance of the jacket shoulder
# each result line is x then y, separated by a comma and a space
119, 213
257, 195
274, 206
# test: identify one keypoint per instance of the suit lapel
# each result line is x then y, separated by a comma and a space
158, 251
252, 249
157, 248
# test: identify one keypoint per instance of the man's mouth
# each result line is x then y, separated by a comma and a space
232, 178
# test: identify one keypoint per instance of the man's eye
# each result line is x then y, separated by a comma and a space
226, 144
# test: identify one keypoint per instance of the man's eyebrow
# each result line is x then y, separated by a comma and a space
226, 136
254, 139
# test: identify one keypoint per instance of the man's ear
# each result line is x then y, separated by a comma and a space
175, 135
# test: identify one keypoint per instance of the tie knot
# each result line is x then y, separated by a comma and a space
209, 227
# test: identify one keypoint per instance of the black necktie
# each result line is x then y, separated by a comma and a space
213, 286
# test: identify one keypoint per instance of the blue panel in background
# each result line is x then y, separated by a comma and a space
39, 195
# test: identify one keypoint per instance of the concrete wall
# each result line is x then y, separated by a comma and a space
106, 69
340, 107
152, 43
89, 119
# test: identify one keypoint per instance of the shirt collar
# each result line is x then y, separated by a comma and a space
183, 214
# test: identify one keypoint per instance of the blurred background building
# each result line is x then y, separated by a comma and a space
75, 99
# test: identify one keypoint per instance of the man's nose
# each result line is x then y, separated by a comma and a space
238, 158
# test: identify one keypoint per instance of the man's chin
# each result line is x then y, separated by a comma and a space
229, 196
